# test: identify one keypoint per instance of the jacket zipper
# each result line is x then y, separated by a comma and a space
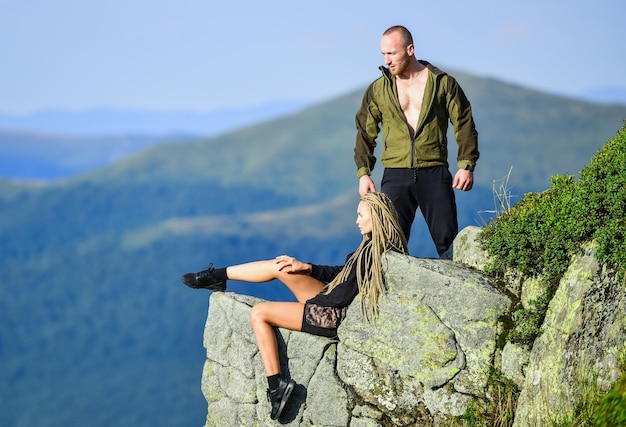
393, 97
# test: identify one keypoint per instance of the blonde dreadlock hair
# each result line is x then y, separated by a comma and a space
386, 235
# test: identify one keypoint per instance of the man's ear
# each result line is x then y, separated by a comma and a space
410, 49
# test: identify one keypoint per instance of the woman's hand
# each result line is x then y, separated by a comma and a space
290, 265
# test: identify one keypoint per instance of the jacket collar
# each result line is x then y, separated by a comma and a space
436, 71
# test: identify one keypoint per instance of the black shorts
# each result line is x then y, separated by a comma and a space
322, 321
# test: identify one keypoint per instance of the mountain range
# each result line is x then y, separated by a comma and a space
96, 327
172, 124
58, 144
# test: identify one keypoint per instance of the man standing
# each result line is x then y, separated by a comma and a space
412, 102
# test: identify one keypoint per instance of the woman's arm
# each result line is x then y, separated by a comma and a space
291, 265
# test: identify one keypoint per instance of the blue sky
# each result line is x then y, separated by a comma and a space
207, 55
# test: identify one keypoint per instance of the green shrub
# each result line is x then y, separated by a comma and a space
602, 188
528, 321
611, 410
531, 236
539, 235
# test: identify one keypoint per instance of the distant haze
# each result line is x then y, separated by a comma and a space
106, 121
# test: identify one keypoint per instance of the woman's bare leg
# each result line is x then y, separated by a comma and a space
255, 272
263, 318
303, 287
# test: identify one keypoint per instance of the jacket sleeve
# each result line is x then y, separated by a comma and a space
367, 121
325, 273
465, 132
342, 295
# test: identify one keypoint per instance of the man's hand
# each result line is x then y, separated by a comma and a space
366, 185
290, 265
463, 180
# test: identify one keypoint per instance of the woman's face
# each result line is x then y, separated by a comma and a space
364, 218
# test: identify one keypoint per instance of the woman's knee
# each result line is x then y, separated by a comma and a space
258, 314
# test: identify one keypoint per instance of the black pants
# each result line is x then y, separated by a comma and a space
430, 190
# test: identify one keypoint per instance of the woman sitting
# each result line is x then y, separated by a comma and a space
323, 292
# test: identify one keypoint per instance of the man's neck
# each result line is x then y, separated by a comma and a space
413, 71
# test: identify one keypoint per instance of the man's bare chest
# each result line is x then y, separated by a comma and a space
410, 97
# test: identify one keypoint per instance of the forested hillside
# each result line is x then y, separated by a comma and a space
96, 327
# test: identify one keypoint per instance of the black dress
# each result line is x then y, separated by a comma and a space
324, 312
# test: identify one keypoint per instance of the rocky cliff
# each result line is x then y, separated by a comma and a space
430, 354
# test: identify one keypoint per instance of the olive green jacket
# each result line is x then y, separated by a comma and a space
444, 101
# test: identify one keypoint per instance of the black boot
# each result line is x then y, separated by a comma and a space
204, 280
279, 397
